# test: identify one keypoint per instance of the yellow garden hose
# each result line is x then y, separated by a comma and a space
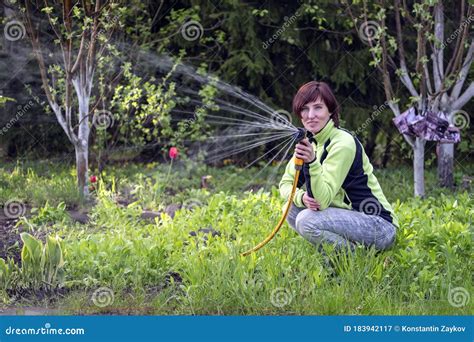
298, 166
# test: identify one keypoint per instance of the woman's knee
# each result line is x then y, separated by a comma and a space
305, 223
388, 239
292, 214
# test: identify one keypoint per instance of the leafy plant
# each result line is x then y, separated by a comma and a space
31, 260
41, 265
191, 264
7, 271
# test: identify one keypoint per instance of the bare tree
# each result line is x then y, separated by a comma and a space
435, 88
449, 96
79, 36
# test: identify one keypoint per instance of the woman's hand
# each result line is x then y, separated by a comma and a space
310, 203
304, 150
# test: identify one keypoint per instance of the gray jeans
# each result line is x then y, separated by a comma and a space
342, 227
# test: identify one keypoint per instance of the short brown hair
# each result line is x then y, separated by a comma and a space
313, 91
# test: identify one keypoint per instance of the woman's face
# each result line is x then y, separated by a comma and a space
314, 116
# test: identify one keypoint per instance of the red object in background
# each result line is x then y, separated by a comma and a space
93, 179
173, 152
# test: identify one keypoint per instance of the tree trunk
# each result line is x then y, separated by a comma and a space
419, 167
82, 146
445, 165
82, 167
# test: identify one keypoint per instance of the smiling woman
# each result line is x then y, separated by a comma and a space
339, 199
315, 103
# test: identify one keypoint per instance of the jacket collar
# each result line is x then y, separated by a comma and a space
323, 134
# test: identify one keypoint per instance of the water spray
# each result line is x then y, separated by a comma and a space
298, 136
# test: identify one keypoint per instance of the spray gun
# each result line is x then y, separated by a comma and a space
298, 136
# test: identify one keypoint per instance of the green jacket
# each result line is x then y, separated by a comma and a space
341, 176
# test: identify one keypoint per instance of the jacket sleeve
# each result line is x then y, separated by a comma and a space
286, 184
326, 179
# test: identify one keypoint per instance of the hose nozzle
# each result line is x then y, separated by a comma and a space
300, 135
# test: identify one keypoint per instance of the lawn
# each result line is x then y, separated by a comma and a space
155, 241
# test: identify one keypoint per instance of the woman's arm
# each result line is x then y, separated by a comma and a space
286, 185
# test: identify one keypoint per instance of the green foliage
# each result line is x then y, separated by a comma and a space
41, 266
5, 99
175, 266
46, 182
414, 277
8, 270
270, 53
144, 112
53, 262
50, 214
31, 257
142, 109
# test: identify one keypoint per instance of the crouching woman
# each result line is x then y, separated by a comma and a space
338, 198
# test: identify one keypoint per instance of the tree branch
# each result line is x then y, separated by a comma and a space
464, 98
155, 17
437, 56
409, 16
79, 54
463, 72
404, 76
36, 45
456, 58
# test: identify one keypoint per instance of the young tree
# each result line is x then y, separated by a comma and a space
449, 96
80, 31
427, 82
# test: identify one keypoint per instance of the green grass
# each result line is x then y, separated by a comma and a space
139, 260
